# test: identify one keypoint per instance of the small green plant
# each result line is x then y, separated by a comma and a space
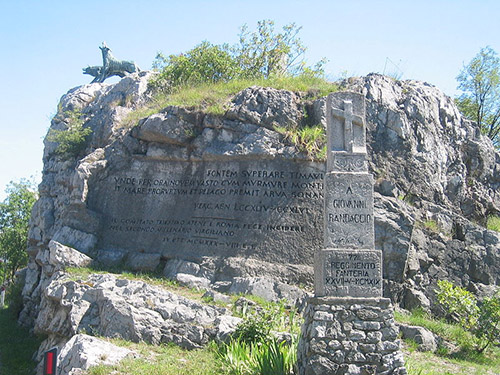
268, 357
493, 223
254, 349
310, 139
431, 225
482, 318
408, 198
72, 140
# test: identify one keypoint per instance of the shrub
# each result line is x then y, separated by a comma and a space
15, 212
253, 349
481, 318
205, 63
72, 140
268, 357
493, 223
261, 54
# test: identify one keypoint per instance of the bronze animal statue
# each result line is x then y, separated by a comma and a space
94, 71
111, 66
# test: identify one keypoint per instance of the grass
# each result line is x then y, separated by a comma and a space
214, 98
447, 331
310, 139
17, 346
426, 363
493, 223
465, 360
16, 351
162, 360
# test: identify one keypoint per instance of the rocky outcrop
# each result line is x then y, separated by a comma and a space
422, 149
83, 351
109, 306
436, 180
425, 339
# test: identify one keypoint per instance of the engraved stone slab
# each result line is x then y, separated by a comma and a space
266, 209
348, 273
349, 222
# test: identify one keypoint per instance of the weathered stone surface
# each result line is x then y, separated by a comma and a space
132, 310
428, 163
143, 261
349, 217
193, 281
267, 107
423, 337
416, 299
61, 256
194, 210
79, 240
265, 288
165, 127
226, 325
348, 273
83, 351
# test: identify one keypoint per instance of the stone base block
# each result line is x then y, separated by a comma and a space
347, 272
350, 336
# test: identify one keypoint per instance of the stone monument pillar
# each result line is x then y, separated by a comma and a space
349, 328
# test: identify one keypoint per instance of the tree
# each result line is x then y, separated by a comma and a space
264, 52
480, 102
15, 212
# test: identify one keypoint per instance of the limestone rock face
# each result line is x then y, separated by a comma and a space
226, 201
424, 150
267, 107
84, 351
132, 310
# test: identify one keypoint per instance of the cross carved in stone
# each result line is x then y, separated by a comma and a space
349, 119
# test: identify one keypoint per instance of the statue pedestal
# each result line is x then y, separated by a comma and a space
349, 336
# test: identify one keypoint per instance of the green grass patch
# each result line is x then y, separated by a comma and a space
214, 98
447, 331
466, 357
163, 360
493, 223
17, 346
72, 140
426, 363
430, 225
309, 139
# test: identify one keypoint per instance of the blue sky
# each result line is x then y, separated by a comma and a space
45, 44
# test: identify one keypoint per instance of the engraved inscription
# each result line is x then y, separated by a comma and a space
225, 208
349, 211
351, 273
